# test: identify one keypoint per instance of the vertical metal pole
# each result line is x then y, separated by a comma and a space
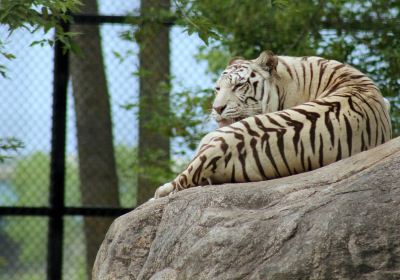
57, 168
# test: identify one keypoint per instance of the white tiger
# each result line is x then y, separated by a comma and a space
281, 115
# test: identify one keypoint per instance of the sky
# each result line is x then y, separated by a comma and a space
25, 104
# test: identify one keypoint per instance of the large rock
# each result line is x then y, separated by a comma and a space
338, 222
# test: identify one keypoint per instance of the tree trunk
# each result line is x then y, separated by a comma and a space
97, 167
153, 39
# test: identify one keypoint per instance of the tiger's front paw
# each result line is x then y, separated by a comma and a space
164, 190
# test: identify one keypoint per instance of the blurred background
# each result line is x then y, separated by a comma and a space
140, 85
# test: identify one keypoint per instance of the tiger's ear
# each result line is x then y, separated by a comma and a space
235, 59
268, 61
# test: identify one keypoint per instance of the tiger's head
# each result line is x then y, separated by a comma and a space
240, 91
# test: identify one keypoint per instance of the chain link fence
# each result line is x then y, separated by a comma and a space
26, 114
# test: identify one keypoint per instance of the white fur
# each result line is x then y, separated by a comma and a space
164, 190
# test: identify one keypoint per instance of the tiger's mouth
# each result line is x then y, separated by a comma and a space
225, 122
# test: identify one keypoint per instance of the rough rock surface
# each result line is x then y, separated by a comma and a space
338, 222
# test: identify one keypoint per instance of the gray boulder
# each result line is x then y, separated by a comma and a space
338, 222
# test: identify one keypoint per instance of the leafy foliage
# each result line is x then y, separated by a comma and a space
38, 14
6, 55
362, 33
186, 124
8, 145
126, 159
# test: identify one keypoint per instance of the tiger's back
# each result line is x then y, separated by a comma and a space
294, 140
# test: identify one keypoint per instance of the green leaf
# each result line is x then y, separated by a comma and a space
9, 56
204, 37
45, 12
3, 71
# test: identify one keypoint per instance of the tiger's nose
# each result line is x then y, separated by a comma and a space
220, 109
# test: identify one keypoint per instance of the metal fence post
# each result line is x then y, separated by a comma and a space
57, 168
